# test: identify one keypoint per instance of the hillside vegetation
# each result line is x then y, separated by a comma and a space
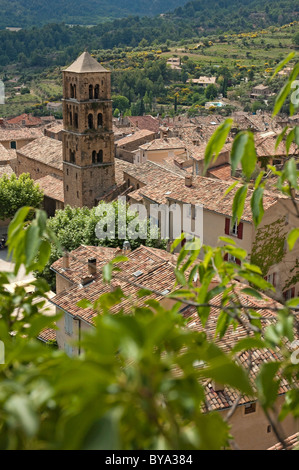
24, 13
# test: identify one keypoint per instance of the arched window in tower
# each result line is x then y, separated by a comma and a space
75, 91
71, 91
90, 121
100, 120
72, 156
76, 124
71, 118
96, 92
94, 157
90, 92
100, 156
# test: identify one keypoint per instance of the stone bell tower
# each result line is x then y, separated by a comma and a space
88, 139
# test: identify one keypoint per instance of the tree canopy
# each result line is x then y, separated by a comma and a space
18, 192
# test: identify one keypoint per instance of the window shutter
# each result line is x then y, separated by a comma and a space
293, 292
238, 261
226, 257
227, 226
240, 230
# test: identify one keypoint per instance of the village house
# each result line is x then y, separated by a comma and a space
205, 197
143, 122
125, 147
25, 120
54, 107
78, 275
174, 63
203, 81
159, 149
260, 91
270, 154
16, 138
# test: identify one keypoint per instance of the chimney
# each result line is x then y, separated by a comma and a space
188, 181
217, 387
86, 280
113, 287
92, 266
66, 260
126, 248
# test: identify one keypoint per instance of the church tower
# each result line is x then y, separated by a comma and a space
88, 139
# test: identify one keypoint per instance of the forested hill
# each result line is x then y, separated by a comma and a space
59, 43
22, 13
204, 15
236, 15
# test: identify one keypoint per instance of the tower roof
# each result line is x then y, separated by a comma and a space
84, 64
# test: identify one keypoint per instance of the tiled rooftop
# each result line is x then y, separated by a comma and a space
9, 134
78, 259
133, 137
52, 187
154, 269
5, 170
222, 172
49, 334
265, 146
4, 154
145, 122
164, 144
148, 267
217, 400
208, 192
25, 120
150, 173
120, 167
292, 443
45, 150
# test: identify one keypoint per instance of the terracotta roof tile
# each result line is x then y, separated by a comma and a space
292, 443
52, 187
25, 120
207, 192
134, 137
49, 334
5, 170
7, 134
145, 122
222, 172
45, 150
164, 144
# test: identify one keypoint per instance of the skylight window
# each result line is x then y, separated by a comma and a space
137, 273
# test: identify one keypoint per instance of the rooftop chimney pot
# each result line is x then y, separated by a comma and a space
66, 260
188, 181
92, 266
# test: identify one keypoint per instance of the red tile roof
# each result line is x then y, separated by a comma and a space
222, 172
207, 192
145, 122
134, 137
292, 443
49, 334
153, 269
25, 120
52, 187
